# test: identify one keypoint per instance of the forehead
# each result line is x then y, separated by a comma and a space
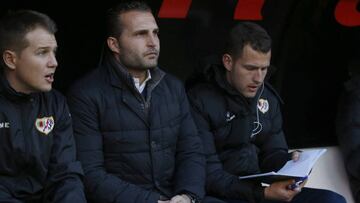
249, 54
138, 20
40, 37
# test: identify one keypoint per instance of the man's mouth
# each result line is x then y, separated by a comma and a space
49, 78
253, 88
151, 53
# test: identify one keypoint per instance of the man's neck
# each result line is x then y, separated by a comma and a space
14, 84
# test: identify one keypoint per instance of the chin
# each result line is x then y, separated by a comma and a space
250, 95
45, 89
152, 65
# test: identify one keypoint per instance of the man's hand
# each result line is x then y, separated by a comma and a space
280, 191
295, 155
180, 199
299, 183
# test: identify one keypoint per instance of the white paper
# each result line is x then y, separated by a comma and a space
299, 168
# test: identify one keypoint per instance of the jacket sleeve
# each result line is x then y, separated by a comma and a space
348, 132
219, 182
273, 147
190, 160
100, 185
64, 182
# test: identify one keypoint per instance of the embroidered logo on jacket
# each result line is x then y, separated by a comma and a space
45, 125
263, 105
229, 116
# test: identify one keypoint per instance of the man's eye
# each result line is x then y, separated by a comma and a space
141, 33
41, 53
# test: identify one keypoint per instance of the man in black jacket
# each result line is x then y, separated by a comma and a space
135, 135
348, 132
37, 149
239, 120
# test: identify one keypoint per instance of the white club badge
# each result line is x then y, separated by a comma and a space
45, 125
263, 105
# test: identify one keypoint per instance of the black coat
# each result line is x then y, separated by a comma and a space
132, 149
348, 132
225, 120
37, 149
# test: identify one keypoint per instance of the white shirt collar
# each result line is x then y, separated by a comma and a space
141, 87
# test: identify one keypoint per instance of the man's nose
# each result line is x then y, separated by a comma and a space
259, 76
152, 40
52, 63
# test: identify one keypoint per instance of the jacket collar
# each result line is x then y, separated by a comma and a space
10, 93
214, 71
120, 77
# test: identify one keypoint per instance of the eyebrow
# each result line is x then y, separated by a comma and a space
147, 29
255, 66
47, 48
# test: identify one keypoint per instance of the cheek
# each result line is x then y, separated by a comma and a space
137, 45
158, 42
243, 76
265, 73
242, 84
132, 50
32, 75
239, 81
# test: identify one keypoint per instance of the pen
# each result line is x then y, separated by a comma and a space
297, 183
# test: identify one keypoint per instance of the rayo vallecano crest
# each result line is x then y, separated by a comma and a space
45, 125
263, 105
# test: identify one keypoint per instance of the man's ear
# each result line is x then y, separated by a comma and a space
10, 58
227, 62
113, 44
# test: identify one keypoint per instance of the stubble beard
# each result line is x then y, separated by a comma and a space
139, 63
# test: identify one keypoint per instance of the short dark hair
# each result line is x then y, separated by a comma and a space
113, 23
247, 33
14, 26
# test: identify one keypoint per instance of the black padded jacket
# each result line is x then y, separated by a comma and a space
134, 149
241, 136
37, 148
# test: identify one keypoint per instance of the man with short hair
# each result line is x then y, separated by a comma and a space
135, 135
37, 149
239, 121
